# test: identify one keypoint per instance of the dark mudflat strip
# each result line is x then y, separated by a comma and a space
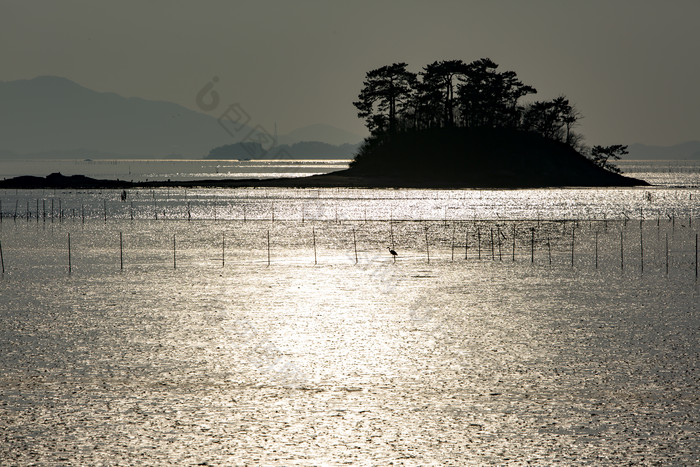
340, 179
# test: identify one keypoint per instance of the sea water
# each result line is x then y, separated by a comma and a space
273, 326
175, 169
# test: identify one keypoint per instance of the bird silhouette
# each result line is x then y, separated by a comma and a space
393, 253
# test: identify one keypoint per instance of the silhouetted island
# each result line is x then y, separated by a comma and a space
480, 158
453, 125
459, 124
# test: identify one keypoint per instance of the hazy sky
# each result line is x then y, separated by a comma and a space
632, 67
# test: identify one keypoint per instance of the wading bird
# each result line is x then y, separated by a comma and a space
393, 253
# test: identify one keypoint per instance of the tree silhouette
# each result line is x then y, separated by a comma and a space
439, 78
386, 92
553, 119
488, 98
451, 93
428, 106
448, 93
601, 155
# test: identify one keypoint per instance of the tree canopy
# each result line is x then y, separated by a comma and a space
445, 93
602, 155
385, 94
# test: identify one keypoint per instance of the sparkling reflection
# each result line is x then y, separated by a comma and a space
506, 359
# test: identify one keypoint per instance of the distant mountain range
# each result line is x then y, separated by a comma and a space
322, 133
684, 151
302, 150
48, 116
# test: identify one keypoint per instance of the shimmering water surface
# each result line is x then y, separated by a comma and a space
662, 173
176, 169
272, 326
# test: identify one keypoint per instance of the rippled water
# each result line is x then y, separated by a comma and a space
269, 326
144, 169
669, 173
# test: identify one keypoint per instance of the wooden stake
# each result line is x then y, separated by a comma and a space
268, 247
498, 234
70, 267
354, 241
573, 237
667, 254
641, 246
478, 240
105, 210
532, 245
121, 252
313, 234
427, 247
391, 233
622, 251
549, 250
513, 242
596, 249
466, 242
2, 259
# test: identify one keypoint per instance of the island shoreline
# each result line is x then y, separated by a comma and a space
339, 179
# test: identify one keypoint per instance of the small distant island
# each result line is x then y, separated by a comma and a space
453, 125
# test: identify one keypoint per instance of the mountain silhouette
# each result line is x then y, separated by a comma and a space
322, 133
48, 114
684, 151
301, 150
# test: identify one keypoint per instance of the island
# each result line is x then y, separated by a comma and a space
453, 125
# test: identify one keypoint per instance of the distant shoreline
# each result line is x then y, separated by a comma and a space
339, 179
